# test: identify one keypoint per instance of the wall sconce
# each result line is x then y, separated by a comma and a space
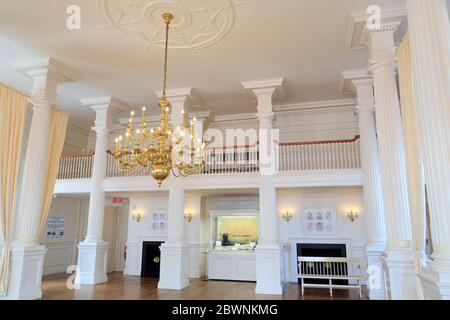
137, 216
352, 215
188, 216
287, 216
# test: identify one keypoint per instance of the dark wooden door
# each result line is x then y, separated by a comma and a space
151, 259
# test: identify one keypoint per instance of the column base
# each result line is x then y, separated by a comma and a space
174, 266
26, 265
400, 273
268, 270
92, 262
375, 281
435, 284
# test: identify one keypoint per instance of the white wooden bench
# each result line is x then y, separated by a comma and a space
346, 269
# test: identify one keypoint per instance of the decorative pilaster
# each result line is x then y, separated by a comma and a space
373, 193
92, 253
27, 255
268, 251
398, 258
429, 34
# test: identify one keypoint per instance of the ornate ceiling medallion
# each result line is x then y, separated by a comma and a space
197, 24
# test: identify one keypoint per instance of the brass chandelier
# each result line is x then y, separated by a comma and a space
161, 150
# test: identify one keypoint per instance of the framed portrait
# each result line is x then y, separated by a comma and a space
159, 221
320, 221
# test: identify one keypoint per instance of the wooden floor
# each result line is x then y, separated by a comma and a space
120, 287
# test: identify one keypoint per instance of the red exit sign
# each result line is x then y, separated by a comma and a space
118, 200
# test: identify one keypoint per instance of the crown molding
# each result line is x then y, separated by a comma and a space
357, 27
235, 117
326, 105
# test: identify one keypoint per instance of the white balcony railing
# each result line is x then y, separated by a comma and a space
243, 159
75, 167
321, 155
297, 156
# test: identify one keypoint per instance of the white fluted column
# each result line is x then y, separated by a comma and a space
93, 251
33, 182
373, 192
268, 251
398, 258
174, 271
429, 32
27, 255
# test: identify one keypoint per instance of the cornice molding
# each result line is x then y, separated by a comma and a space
357, 31
315, 105
235, 117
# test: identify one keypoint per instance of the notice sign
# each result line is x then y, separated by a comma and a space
55, 228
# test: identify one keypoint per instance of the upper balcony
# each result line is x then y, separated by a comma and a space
298, 162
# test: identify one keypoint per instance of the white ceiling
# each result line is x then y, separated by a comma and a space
303, 41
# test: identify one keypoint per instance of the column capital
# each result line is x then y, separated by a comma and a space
265, 92
105, 108
381, 43
187, 96
46, 74
361, 84
274, 87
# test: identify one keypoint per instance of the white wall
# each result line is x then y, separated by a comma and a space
63, 253
76, 140
302, 125
317, 125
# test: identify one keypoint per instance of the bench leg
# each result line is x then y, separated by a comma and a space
303, 288
360, 289
331, 288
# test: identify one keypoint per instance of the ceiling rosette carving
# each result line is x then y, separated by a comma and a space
197, 23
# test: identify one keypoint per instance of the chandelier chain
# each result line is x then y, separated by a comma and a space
166, 54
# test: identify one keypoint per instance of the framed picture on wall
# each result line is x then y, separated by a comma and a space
159, 221
320, 221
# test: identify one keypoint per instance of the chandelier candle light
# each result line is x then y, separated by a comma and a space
161, 150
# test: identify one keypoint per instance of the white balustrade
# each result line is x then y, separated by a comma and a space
75, 167
321, 155
300, 156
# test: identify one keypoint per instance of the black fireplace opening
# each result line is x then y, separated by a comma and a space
325, 251
151, 259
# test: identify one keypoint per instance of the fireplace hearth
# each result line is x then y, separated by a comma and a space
322, 250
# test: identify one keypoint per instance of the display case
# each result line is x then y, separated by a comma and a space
234, 236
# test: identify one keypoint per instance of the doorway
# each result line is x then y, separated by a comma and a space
151, 258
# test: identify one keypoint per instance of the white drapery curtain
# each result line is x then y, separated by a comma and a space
58, 126
13, 109
416, 180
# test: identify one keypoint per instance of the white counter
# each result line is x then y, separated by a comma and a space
237, 265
